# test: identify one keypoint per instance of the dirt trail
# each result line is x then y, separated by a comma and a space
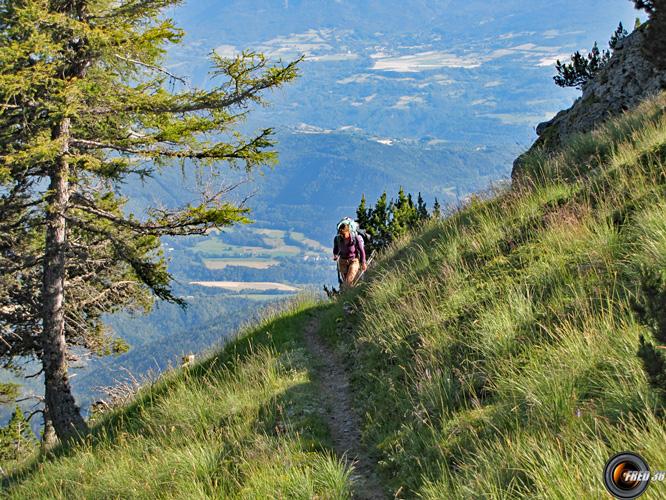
343, 422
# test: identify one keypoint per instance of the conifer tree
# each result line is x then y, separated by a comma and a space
582, 68
421, 208
436, 210
363, 215
619, 34
85, 105
403, 214
398, 211
16, 438
379, 222
655, 47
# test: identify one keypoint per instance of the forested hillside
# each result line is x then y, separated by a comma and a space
497, 353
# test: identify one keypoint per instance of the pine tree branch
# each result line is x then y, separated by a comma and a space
214, 100
152, 66
173, 226
211, 153
113, 288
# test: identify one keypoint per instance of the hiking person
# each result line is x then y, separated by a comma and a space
349, 252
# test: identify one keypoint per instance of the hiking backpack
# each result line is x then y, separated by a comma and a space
354, 230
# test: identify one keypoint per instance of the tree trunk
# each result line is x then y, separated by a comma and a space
49, 439
64, 413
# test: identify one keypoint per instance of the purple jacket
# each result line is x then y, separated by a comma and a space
347, 250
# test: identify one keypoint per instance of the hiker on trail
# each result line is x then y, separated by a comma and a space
348, 250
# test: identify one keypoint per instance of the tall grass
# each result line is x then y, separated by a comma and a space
495, 351
243, 423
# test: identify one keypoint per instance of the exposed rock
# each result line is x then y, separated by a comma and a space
627, 79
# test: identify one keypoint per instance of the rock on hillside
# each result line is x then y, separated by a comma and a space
626, 81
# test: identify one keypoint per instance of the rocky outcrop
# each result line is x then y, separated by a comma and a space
622, 84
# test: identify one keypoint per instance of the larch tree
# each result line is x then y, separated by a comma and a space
85, 105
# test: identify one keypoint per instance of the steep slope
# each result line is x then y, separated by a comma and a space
627, 80
497, 350
244, 423
492, 354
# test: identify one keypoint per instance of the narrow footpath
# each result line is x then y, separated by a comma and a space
343, 422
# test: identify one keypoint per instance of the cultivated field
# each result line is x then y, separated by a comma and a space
247, 285
216, 264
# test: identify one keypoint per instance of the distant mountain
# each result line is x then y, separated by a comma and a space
323, 173
472, 71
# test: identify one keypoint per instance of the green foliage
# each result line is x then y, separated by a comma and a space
583, 68
649, 6
85, 105
493, 355
390, 220
650, 304
17, 442
421, 209
8, 392
363, 214
244, 422
618, 35
495, 350
436, 210
655, 47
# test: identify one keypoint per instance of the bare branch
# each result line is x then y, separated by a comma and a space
34, 375
30, 398
33, 413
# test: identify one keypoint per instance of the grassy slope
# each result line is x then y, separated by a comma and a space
493, 356
498, 347
243, 423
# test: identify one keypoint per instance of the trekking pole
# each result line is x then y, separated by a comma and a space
360, 275
337, 267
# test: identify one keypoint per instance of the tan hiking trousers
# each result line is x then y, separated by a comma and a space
348, 271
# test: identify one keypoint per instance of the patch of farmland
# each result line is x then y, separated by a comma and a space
247, 285
272, 237
217, 264
272, 233
258, 297
308, 242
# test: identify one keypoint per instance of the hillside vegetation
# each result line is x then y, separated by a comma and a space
494, 354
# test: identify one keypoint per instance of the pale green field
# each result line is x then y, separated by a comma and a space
308, 242
218, 247
272, 237
216, 264
259, 297
247, 285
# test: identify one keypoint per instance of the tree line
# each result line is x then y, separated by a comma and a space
583, 68
390, 219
